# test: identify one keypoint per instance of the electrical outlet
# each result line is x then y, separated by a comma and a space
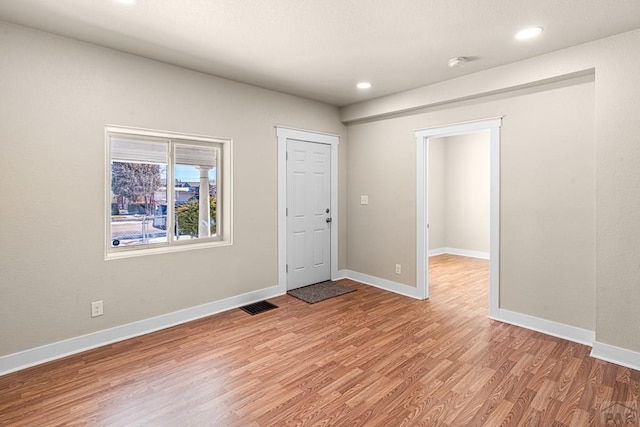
97, 309
364, 200
398, 269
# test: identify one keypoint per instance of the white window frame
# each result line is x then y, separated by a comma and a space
224, 221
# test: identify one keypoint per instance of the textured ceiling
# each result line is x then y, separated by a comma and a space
319, 49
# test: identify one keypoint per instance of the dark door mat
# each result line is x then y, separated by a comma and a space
320, 291
258, 307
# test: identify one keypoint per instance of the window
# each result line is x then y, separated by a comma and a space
166, 192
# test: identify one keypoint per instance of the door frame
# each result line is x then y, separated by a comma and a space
422, 212
284, 134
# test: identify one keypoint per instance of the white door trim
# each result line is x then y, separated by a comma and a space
422, 156
283, 134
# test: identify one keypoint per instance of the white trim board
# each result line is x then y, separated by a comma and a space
606, 352
49, 352
492, 125
387, 285
459, 252
617, 355
46, 353
342, 274
547, 327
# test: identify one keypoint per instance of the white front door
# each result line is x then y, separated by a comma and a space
308, 213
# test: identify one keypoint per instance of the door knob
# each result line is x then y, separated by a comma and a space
328, 220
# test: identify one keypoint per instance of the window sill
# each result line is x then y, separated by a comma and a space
131, 253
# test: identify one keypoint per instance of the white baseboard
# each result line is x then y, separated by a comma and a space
438, 251
609, 353
342, 274
606, 352
35, 356
459, 252
46, 353
385, 284
549, 327
617, 355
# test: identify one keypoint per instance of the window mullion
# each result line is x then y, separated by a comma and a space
219, 186
171, 195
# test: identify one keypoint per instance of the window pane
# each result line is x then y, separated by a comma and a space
138, 190
163, 191
195, 171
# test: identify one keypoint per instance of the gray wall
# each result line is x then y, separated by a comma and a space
570, 183
547, 198
459, 192
56, 97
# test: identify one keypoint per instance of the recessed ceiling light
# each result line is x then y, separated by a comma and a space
363, 85
529, 33
128, 2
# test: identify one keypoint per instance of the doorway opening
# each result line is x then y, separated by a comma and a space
324, 228
424, 139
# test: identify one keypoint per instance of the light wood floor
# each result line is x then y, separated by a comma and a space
365, 358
